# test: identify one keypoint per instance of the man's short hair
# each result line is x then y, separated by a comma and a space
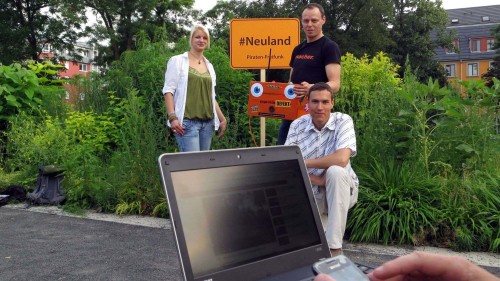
314, 5
321, 86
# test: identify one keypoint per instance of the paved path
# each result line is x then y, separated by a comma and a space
41, 244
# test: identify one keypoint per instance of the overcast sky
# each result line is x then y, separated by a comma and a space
206, 5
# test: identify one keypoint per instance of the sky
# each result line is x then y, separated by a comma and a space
206, 5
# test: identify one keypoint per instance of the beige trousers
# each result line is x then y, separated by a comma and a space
334, 201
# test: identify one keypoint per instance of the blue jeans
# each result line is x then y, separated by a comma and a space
283, 131
197, 135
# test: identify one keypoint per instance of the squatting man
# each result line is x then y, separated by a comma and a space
327, 141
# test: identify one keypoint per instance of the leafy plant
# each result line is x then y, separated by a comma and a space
26, 89
420, 119
472, 210
369, 95
35, 141
397, 202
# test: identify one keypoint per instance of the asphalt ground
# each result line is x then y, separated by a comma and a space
49, 246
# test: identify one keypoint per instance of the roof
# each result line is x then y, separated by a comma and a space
474, 15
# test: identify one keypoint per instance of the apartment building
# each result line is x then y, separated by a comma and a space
474, 42
80, 61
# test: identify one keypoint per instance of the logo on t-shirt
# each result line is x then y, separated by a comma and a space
304, 57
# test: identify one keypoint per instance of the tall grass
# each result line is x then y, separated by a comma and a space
396, 203
472, 208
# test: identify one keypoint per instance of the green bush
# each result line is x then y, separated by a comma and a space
448, 139
472, 208
26, 89
396, 203
35, 141
369, 95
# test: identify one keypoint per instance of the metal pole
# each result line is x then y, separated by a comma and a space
263, 119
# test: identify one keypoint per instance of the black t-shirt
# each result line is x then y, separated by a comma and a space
309, 60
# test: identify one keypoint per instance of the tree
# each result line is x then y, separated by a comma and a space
494, 70
358, 26
120, 21
30, 25
412, 24
224, 11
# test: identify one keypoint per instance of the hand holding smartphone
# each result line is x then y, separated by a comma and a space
340, 268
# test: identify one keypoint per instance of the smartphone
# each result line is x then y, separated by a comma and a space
340, 268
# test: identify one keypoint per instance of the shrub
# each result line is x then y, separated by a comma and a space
471, 207
396, 203
26, 89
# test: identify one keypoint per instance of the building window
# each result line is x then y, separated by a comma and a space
490, 44
82, 96
83, 67
485, 18
472, 69
475, 45
66, 64
451, 70
454, 20
85, 53
46, 48
456, 46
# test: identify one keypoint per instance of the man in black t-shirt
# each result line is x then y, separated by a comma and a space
315, 60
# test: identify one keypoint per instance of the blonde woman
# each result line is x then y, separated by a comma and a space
189, 90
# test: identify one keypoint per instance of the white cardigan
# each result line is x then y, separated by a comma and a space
176, 80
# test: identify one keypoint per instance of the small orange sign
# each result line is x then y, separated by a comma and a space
263, 43
275, 100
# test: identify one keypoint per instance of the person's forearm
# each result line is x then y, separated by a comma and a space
339, 158
220, 115
333, 73
169, 103
335, 85
317, 180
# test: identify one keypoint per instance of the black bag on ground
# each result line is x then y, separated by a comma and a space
14, 193
49, 188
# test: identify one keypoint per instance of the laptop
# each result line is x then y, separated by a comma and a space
243, 214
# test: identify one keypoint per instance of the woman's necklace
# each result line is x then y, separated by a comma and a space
199, 59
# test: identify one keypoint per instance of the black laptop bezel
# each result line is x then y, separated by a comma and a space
171, 162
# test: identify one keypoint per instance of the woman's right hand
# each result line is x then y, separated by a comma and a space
176, 127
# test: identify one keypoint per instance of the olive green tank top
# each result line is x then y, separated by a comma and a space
199, 96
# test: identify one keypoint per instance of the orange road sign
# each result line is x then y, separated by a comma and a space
263, 43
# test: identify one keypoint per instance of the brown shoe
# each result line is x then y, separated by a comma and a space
336, 252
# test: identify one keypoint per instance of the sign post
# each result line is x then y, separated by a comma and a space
263, 44
262, 119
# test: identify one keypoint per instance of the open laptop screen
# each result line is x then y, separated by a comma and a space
236, 215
